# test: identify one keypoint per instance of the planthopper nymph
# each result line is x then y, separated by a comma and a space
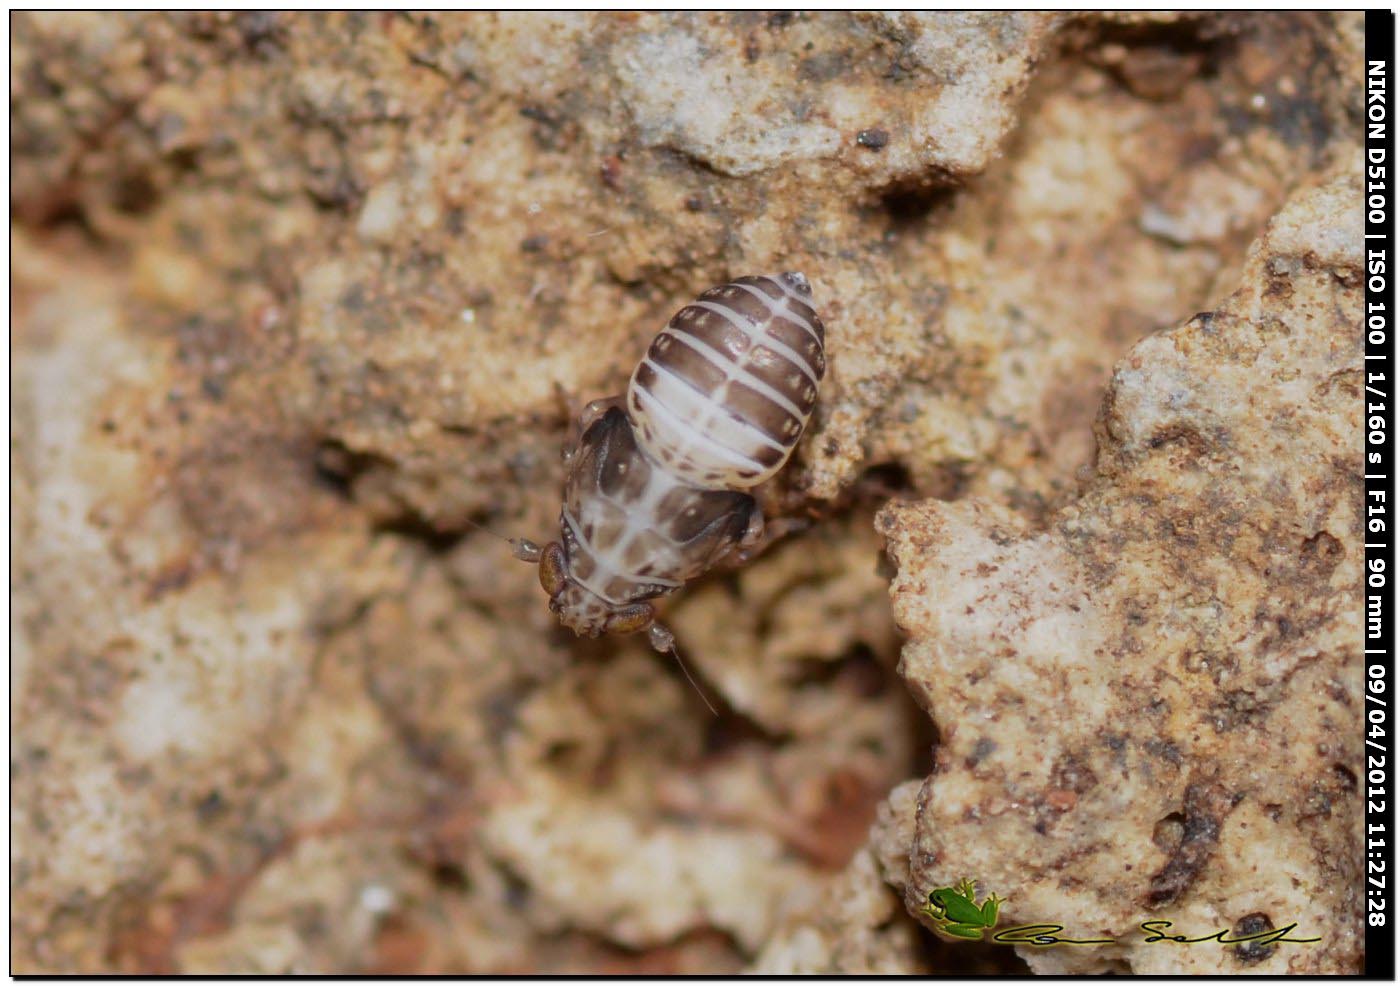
658, 483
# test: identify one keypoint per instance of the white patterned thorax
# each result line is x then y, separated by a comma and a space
633, 530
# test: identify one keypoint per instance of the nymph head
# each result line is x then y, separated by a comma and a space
579, 608
588, 614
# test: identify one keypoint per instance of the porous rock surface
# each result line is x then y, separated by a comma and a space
1149, 707
296, 297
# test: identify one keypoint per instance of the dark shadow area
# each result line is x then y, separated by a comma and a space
909, 208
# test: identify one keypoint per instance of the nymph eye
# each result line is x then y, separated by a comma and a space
553, 569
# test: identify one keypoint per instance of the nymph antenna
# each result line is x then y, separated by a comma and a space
522, 548
665, 641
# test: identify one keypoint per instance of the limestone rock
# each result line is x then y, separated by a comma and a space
1147, 706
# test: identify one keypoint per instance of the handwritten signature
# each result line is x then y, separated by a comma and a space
1046, 935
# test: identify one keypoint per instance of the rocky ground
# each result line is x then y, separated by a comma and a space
298, 299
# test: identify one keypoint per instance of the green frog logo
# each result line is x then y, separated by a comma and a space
954, 911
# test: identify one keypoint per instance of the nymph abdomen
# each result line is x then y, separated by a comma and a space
725, 390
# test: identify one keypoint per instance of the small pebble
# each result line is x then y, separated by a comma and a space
873, 139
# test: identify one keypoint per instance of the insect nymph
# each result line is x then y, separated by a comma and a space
657, 486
